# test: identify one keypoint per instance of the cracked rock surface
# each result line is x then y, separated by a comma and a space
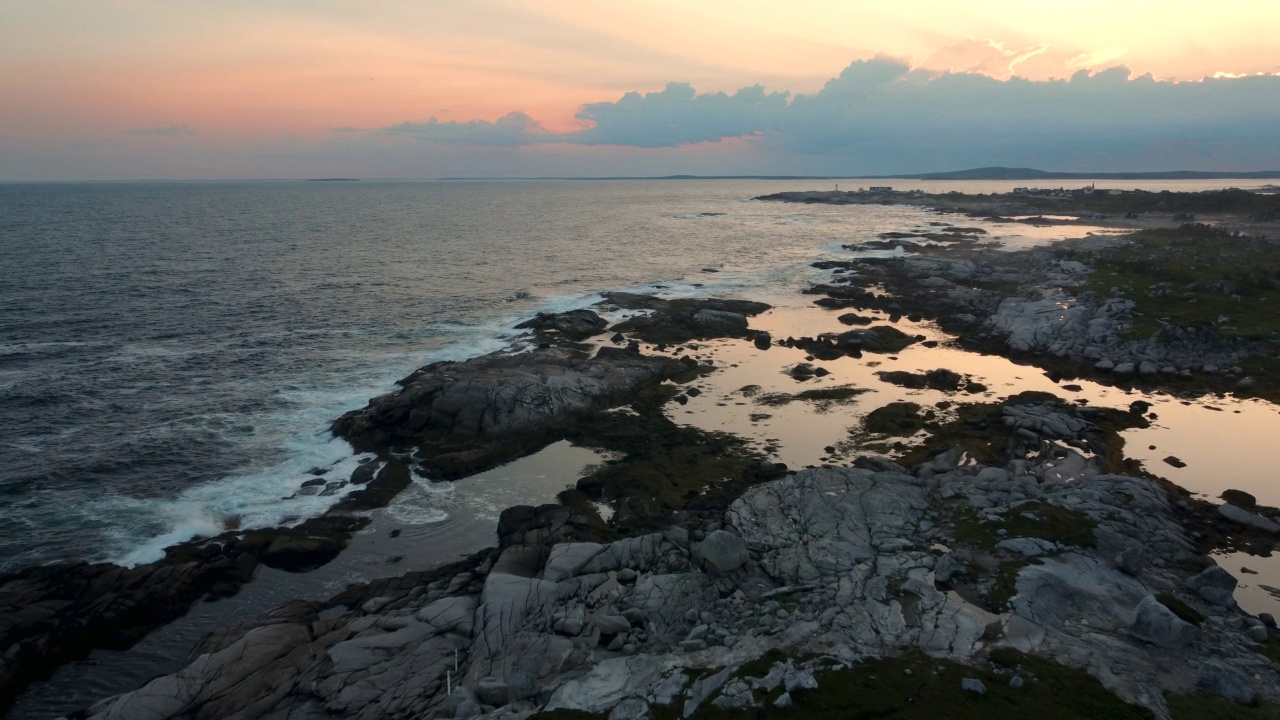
1047, 551
839, 562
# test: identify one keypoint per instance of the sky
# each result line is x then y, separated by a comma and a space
225, 89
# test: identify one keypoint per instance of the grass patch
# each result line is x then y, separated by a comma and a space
883, 690
1111, 423
762, 665
1270, 650
1006, 583
1006, 658
1265, 370
913, 686
1258, 205
788, 602
1051, 522
1192, 277
1198, 706
1004, 287
897, 418
823, 398
976, 427
662, 468
564, 714
1180, 608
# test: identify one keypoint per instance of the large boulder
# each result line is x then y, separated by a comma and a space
878, 339
1214, 585
720, 322
940, 379
896, 418
467, 416
723, 551
1158, 625
1220, 679
1034, 324
571, 325
684, 319
301, 552
1244, 517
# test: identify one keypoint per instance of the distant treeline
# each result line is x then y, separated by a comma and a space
1007, 173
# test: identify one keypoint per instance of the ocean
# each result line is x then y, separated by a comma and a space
172, 354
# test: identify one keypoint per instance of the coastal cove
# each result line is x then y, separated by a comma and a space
856, 429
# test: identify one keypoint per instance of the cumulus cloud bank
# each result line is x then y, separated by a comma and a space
514, 128
880, 115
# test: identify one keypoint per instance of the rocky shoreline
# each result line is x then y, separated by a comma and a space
1043, 320
1014, 536
825, 568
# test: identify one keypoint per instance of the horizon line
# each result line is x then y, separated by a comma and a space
983, 173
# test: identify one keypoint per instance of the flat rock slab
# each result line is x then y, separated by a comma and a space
683, 319
822, 522
640, 301
1073, 587
1244, 517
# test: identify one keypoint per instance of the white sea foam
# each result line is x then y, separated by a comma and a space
256, 499
423, 503
265, 497
184, 528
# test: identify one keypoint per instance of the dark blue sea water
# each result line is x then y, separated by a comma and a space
171, 354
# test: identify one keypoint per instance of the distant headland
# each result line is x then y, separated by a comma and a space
1007, 173
983, 173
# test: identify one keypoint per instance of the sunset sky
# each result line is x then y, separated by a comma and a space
121, 89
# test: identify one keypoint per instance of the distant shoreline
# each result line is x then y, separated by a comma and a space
987, 173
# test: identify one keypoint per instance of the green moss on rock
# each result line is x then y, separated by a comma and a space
913, 686
1180, 608
823, 398
1029, 520
1199, 706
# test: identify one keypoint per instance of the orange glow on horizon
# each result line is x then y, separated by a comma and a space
244, 72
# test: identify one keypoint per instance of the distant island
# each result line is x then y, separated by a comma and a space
333, 180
